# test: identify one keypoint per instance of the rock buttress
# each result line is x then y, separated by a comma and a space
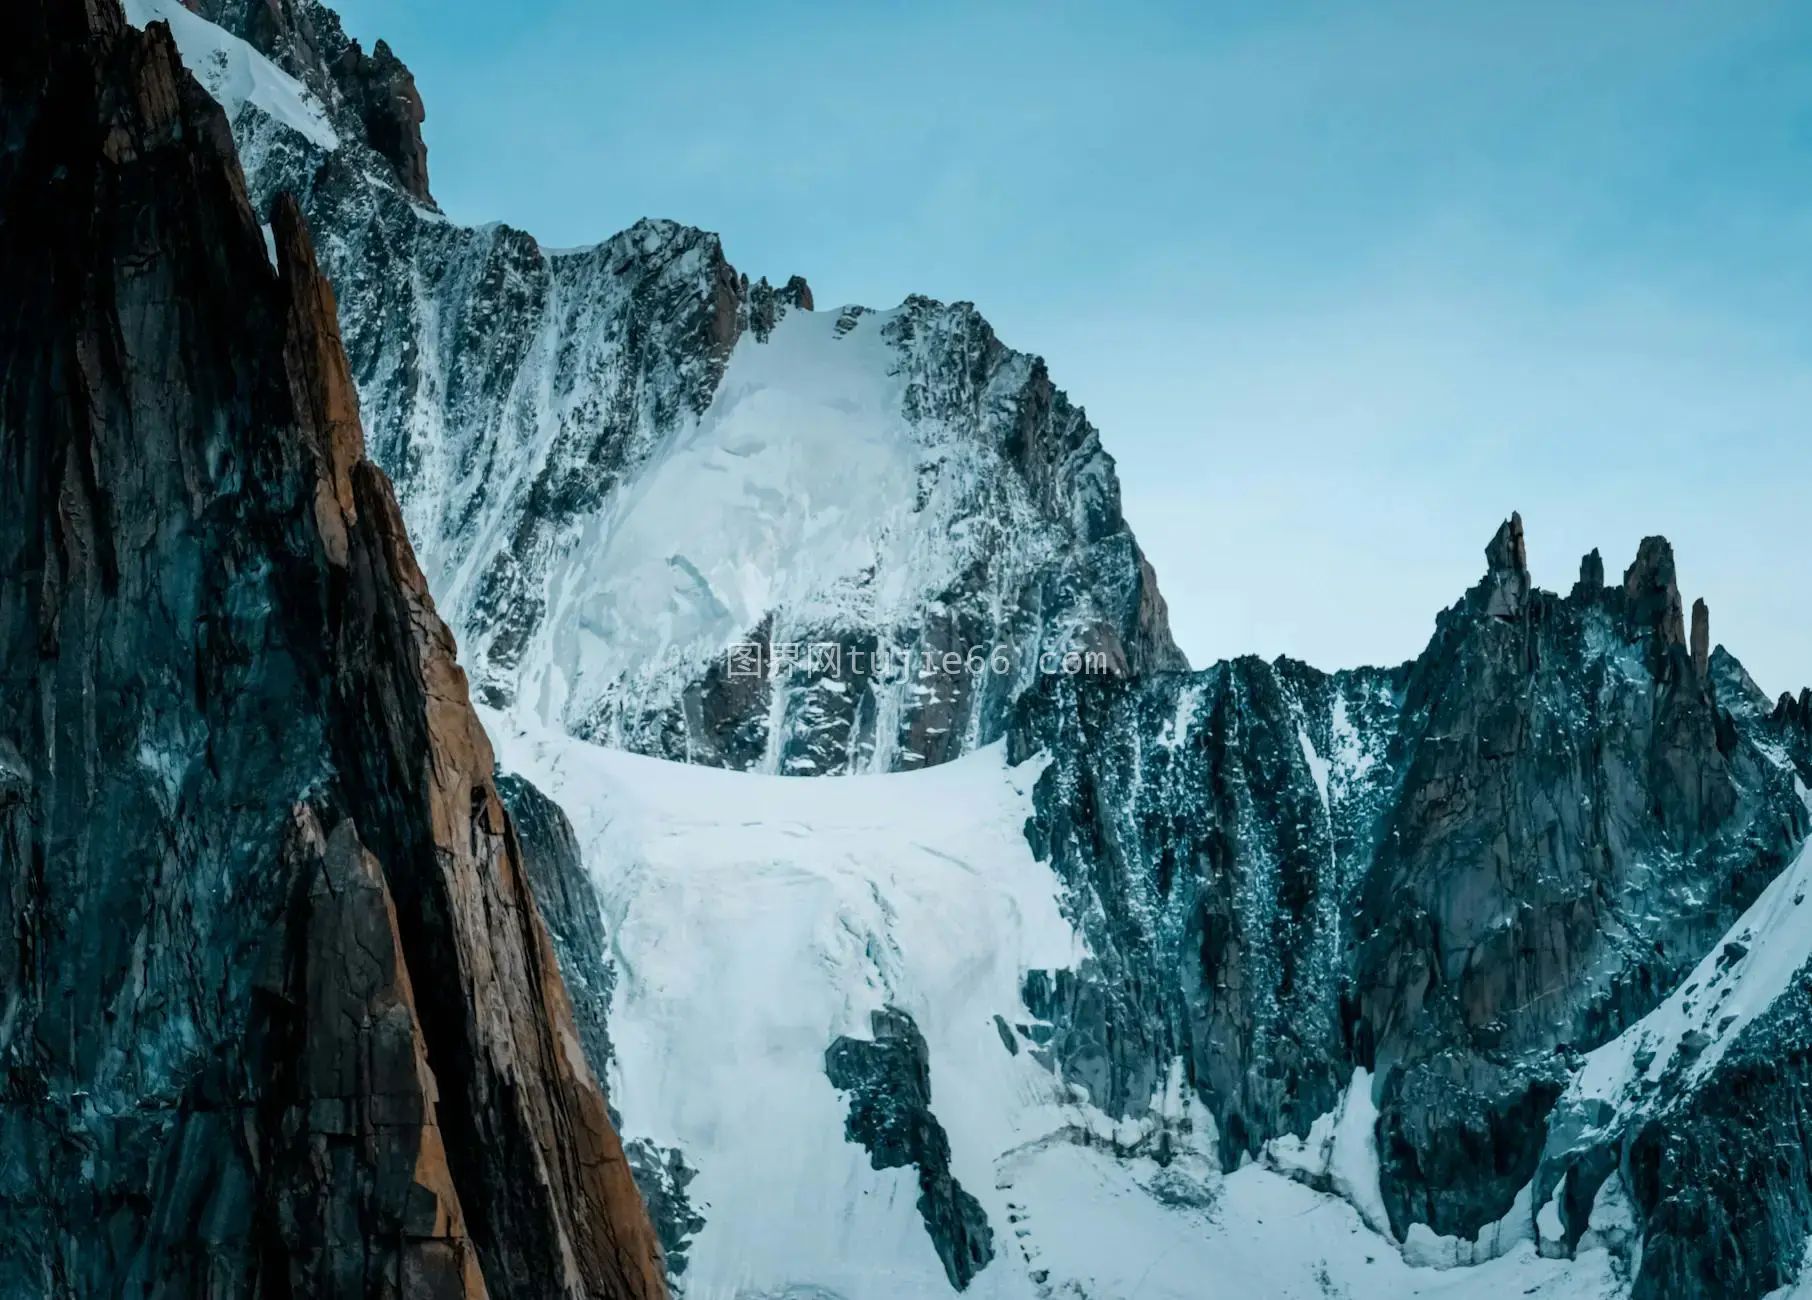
278, 1014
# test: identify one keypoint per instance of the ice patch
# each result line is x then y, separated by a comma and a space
1340, 1154
1318, 767
1189, 703
1350, 754
796, 490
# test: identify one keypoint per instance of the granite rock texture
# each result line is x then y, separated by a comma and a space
1459, 874
278, 1014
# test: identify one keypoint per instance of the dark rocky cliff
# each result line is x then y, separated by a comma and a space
278, 1014
1459, 874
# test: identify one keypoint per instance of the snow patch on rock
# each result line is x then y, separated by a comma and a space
234, 73
1687, 1035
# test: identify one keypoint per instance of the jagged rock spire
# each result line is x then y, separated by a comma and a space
797, 293
1507, 575
1591, 575
1654, 593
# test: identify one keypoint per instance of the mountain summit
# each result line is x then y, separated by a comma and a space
629, 465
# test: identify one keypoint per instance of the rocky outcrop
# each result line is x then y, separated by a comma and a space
1791, 724
1722, 1179
1576, 826
1213, 830
382, 91
371, 97
575, 922
278, 1014
1458, 874
888, 1080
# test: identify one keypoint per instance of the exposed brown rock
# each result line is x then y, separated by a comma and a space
534, 1146
383, 92
359, 1141
797, 293
278, 1013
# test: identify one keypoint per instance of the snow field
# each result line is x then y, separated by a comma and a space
755, 918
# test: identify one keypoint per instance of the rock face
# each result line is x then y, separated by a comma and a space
888, 1081
1467, 875
1457, 874
278, 1014
371, 97
595, 454
1723, 1179
575, 923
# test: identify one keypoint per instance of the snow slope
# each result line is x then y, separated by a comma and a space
234, 73
755, 918
794, 492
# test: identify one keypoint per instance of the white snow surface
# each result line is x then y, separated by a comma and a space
794, 492
234, 73
754, 918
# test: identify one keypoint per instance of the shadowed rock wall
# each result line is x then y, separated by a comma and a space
278, 1014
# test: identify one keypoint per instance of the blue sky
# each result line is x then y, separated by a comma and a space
1341, 284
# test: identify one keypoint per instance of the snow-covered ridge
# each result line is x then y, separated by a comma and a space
234, 73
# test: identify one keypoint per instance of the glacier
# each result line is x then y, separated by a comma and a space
755, 918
